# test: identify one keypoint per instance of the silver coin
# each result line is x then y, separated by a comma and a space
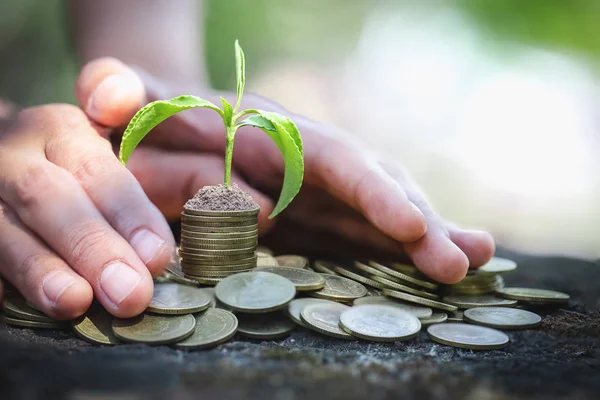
267, 326
379, 323
502, 318
498, 265
154, 329
296, 306
472, 301
420, 312
213, 327
325, 318
436, 318
172, 298
467, 336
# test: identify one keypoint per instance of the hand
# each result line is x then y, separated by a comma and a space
74, 223
348, 192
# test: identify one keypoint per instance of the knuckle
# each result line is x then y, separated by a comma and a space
26, 269
86, 243
92, 168
34, 186
54, 117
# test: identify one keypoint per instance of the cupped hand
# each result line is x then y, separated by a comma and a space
348, 192
74, 223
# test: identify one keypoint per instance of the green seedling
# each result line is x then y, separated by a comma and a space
281, 129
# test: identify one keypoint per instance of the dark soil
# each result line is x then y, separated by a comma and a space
221, 198
560, 359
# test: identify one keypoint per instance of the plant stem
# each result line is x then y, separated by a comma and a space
229, 134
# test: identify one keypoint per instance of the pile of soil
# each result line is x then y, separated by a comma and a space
221, 198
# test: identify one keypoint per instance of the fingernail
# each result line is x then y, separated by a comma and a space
147, 244
108, 89
118, 280
56, 283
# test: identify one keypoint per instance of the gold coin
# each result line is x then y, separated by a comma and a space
369, 270
296, 306
420, 312
498, 265
172, 298
23, 323
402, 276
224, 244
154, 329
502, 318
213, 327
221, 213
325, 318
95, 326
204, 280
292, 261
533, 295
358, 278
192, 268
255, 292
303, 279
467, 336
436, 318
398, 286
15, 306
338, 288
478, 301
419, 300
379, 323
324, 267
191, 235
218, 229
267, 326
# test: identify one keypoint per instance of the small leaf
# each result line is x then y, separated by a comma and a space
227, 111
287, 137
240, 67
153, 114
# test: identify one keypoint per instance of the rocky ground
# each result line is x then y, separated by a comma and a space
559, 360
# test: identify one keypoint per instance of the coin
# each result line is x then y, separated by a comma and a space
154, 329
325, 318
265, 250
292, 261
17, 307
324, 267
218, 262
191, 235
420, 312
95, 326
217, 244
398, 286
533, 295
498, 265
221, 213
172, 298
208, 220
358, 278
457, 316
338, 288
466, 301
213, 327
295, 307
192, 268
218, 229
255, 292
179, 279
274, 325
23, 323
398, 274
214, 274
303, 279
204, 280
467, 336
248, 251
210, 292
503, 318
265, 260
379, 323
435, 318
368, 269
419, 300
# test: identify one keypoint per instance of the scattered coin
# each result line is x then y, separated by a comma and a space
498, 265
379, 323
405, 277
172, 298
457, 316
17, 307
204, 280
265, 260
419, 300
265, 250
338, 288
398, 286
292, 261
23, 323
301, 278
325, 319
274, 325
467, 336
472, 301
296, 306
436, 318
420, 312
324, 267
358, 278
503, 318
255, 292
154, 329
210, 292
213, 327
182, 280
534, 295
95, 326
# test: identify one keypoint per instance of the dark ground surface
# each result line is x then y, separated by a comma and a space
561, 359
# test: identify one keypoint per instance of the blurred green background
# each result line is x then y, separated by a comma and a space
491, 105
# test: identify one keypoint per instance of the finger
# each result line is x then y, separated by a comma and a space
478, 245
1, 291
52, 204
39, 274
109, 92
116, 194
171, 178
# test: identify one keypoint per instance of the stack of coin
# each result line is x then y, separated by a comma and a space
22, 314
483, 280
216, 244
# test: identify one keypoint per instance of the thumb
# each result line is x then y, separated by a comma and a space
109, 92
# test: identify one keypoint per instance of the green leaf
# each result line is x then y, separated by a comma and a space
227, 112
240, 68
286, 136
153, 114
